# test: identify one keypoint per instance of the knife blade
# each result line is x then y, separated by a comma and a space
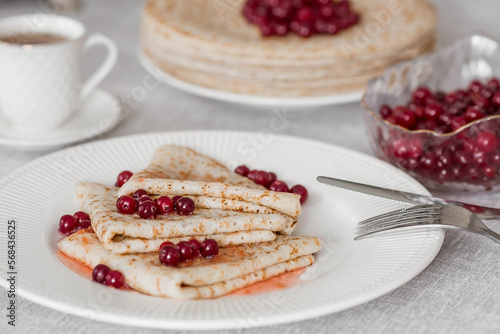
407, 197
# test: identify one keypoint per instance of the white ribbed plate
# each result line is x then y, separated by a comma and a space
346, 273
265, 101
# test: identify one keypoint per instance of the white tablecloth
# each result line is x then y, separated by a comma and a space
458, 293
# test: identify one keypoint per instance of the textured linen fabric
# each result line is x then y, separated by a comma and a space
459, 291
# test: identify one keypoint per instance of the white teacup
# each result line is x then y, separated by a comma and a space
40, 81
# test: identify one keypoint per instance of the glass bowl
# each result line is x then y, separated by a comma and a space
467, 159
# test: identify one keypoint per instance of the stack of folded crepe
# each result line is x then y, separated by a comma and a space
251, 224
210, 44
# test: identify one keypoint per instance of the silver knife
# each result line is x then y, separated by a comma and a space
406, 197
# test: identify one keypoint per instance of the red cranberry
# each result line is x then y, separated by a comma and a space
344, 4
302, 29
486, 92
139, 193
115, 279
187, 251
444, 175
463, 157
279, 186
125, 204
457, 122
272, 177
165, 205
99, 273
175, 199
67, 224
495, 159
487, 141
332, 28
327, 11
445, 119
392, 119
263, 178
472, 114
495, 100
418, 110
461, 94
209, 248
488, 171
81, 216
385, 111
480, 101
433, 111
123, 177
266, 28
144, 199
406, 118
480, 158
280, 29
165, 243
353, 18
282, 10
169, 256
440, 96
251, 174
457, 172
196, 245
305, 14
301, 191
242, 170
473, 173
494, 84
429, 162
320, 26
400, 149
468, 145
450, 98
84, 224
185, 206
147, 210
421, 94
475, 86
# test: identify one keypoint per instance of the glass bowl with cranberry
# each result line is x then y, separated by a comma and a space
437, 117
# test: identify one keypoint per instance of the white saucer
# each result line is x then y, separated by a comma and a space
99, 113
247, 99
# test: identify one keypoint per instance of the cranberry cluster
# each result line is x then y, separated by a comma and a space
271, 182
303, 17
148, 208
469, 156
443, 113
103, 275
171, 255
69, 224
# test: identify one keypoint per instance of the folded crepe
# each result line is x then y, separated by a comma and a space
176, 170
120, 233
233, 268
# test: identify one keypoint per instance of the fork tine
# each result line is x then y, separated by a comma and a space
422, 214
427, 208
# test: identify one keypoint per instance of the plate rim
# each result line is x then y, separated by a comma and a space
245, 99
207, 324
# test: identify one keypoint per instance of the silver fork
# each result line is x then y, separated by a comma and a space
440, 215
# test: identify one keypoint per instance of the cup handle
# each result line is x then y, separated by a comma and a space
103, 70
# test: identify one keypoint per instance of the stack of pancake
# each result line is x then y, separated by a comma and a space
251, 224
210, 44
